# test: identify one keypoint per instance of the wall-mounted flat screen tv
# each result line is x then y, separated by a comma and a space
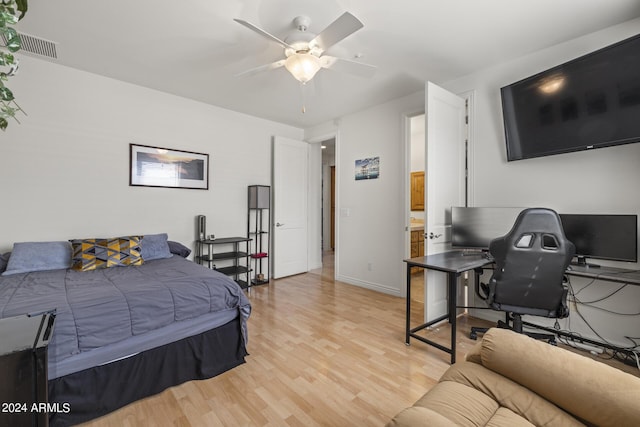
590, 102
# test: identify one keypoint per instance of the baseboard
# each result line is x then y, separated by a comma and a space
368, 285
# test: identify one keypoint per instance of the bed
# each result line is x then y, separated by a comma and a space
127, 332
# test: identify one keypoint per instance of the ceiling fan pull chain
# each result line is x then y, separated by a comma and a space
303, 93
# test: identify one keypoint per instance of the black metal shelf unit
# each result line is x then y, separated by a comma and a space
240, 267
258, 226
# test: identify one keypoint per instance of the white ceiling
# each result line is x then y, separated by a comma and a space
194, 48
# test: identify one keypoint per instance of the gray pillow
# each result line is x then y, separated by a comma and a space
154, 246
4, 259
179, 249
38, 256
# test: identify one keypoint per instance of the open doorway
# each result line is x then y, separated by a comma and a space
416, 164
446, 140
328, 197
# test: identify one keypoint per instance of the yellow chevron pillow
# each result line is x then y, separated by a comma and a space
94, 254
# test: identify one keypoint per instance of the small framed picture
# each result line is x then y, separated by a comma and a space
164, 167
368, 168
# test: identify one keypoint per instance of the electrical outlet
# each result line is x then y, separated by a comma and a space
370, 266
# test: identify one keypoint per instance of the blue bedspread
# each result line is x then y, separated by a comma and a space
102, 307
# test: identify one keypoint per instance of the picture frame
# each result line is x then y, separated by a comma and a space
165, 167
368, 168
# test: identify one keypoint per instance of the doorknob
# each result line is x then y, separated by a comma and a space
278, 224
432, 236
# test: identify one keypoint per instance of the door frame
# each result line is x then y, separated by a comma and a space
406, 136
317, 239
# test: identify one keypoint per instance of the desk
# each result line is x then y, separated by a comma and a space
606, 273
610, 274
454, 264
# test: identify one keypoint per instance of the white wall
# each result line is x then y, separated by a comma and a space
598, 181
65, 169
371, 213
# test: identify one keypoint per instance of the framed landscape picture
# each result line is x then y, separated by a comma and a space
368, 168
164, 167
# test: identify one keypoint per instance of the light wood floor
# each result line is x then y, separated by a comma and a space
322, 353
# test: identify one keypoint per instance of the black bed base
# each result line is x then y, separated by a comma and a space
97, 391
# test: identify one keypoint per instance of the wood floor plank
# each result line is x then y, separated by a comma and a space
321, 353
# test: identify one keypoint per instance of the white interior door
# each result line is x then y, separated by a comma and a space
445, 136
290, 184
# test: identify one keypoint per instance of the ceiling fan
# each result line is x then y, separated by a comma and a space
304, 51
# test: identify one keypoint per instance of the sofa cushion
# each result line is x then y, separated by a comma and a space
460, 404
590, 390
451, 403
417, 416
509, 395
507, 418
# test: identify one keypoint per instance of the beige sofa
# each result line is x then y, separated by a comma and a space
509, 380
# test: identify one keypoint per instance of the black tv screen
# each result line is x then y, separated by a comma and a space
590, 102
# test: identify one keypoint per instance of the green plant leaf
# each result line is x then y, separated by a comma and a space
13, 39
7, 59
7, 17
22, 6
6, 94
11, 11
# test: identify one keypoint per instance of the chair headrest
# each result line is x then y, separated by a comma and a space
539, 226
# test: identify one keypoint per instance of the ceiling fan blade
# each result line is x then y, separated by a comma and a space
339, 29
263, 33
347, 66
261, 68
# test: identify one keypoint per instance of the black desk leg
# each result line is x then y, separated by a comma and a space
453, 297
408, 327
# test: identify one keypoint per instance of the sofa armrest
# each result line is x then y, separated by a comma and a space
590, 390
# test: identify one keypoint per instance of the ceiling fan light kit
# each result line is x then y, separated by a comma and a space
304, 51
302, 66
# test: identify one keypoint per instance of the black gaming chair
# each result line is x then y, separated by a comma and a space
528, 278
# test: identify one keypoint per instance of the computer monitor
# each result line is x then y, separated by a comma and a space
476, 227
610, 237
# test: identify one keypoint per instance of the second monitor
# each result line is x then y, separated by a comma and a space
609, 237
476, 227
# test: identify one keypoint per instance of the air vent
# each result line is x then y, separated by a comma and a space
37, 46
